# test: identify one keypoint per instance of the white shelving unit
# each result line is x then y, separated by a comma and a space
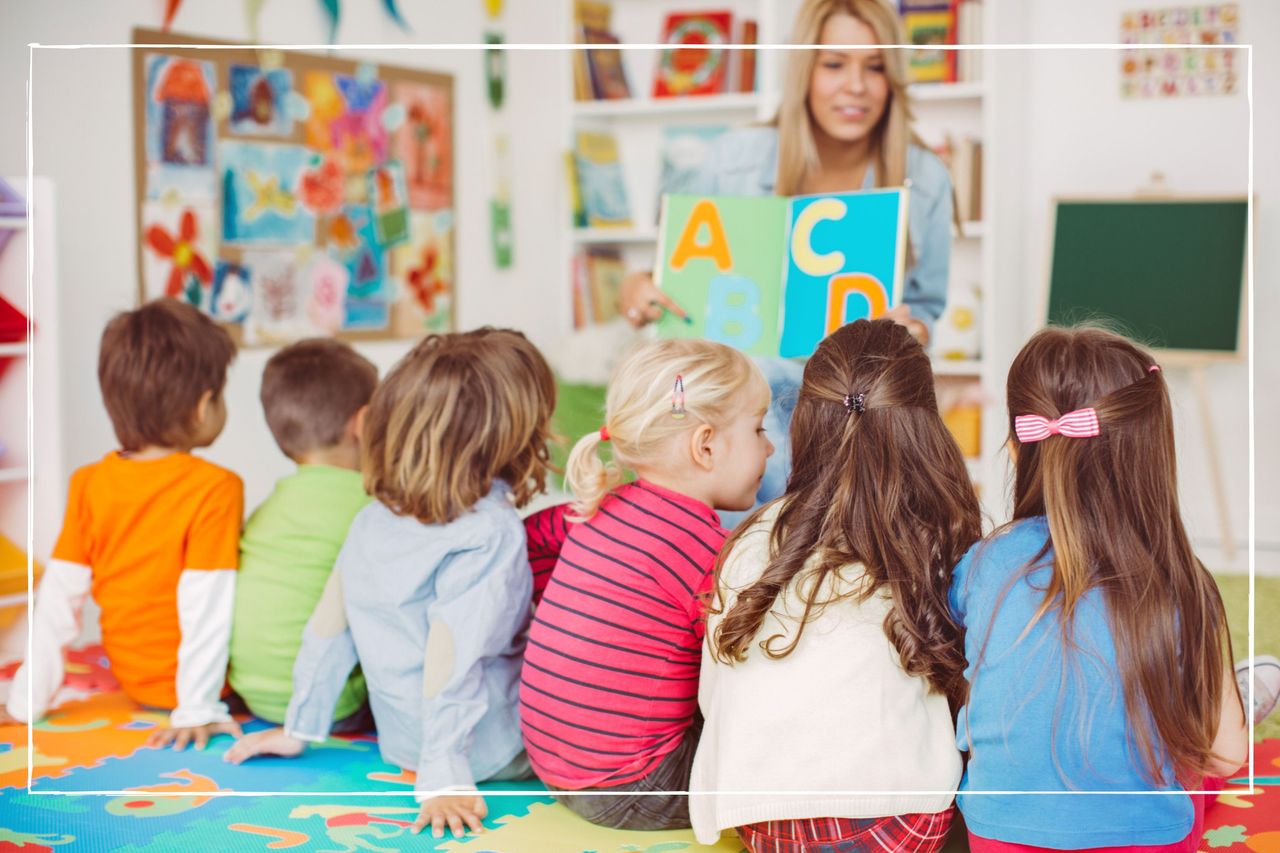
958, 109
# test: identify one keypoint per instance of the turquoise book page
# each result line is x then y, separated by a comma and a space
721, 258
844, 261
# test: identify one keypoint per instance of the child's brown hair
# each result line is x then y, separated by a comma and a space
310, 391
1114, 524
876, 479
154, 365
454, 414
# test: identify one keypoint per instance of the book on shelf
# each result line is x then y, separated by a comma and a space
744, 77
587, 15
693, 65
604, 66
685, 151
578, 213
597, 278
969, 31
926, 27
774, 275
963, 160
600, 179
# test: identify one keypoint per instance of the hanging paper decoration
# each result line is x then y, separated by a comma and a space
493, 8
500, 231
495, 70
170, 11
252, 8
333, 9
395, 14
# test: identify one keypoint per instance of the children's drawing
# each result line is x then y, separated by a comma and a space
179, 127
323, 185
231, 297
325, 105
425, 267
260, 100
424, 145
179, 247
328, 286
390, 204
369, 291
278, 305
259, 194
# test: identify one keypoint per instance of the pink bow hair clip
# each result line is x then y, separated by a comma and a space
1082, 423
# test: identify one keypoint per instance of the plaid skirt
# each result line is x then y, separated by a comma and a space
908, 833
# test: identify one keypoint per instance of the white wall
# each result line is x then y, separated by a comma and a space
1082, 138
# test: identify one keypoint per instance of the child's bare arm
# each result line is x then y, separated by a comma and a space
1231, 746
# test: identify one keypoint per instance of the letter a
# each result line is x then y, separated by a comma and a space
716, 248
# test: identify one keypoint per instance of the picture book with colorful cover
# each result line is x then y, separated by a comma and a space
927, 28
694, 65
600, 180
773, 275
682, 161
608, 77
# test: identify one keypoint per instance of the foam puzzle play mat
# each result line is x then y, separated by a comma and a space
95, 743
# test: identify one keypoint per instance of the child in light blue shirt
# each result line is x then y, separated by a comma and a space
431, 591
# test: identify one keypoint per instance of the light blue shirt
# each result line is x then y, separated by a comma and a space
745, 162
456, 594
1028, 695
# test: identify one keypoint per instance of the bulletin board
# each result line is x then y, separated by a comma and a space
1168, 271
290, 195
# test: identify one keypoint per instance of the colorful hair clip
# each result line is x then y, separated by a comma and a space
677, 398
855, 402
1082, 423
1155, 368
604, 433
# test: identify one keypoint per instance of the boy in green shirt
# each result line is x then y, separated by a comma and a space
314, 393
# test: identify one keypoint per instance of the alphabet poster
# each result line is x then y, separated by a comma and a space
289, 195
774, 276
1211, 68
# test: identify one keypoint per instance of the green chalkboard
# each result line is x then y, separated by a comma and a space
1169, 273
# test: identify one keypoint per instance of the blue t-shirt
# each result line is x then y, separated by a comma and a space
1041, 720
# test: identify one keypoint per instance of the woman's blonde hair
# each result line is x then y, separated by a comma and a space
797, 151
640, 410
457, 412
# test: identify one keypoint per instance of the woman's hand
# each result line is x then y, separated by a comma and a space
199, 735
641, 302
454, 811
901, 314
265, 742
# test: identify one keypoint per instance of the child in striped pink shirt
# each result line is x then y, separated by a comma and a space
609, 688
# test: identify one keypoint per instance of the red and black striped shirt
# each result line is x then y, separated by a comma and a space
610, 676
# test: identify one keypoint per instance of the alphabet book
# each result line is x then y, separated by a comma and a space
773, 275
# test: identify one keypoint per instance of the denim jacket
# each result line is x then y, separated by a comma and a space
745, 162
436, 615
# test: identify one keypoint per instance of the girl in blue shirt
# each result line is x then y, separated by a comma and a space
844, 124
431, 591
1097, 646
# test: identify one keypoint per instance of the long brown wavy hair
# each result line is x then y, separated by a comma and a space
886, 488
1115, 525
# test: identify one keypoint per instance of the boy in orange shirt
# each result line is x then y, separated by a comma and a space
152, 531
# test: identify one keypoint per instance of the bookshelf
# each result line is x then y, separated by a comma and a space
956, 110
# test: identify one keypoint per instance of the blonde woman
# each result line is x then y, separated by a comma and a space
609, 688
844, 124
431, 591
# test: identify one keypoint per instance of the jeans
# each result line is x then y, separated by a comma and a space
784, 377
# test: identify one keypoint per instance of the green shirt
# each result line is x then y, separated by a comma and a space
287, 552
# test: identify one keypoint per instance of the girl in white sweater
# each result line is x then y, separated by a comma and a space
832, 664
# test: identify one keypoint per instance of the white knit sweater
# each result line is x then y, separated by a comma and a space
837, 715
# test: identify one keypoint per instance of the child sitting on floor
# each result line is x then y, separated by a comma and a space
150, 530
314, 394
1097, 644
831, 653
610, 680
433, 590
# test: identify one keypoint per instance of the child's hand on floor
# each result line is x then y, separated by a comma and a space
200, 735
265, 742
455, 811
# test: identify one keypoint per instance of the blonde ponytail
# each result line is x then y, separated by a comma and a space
718, 382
